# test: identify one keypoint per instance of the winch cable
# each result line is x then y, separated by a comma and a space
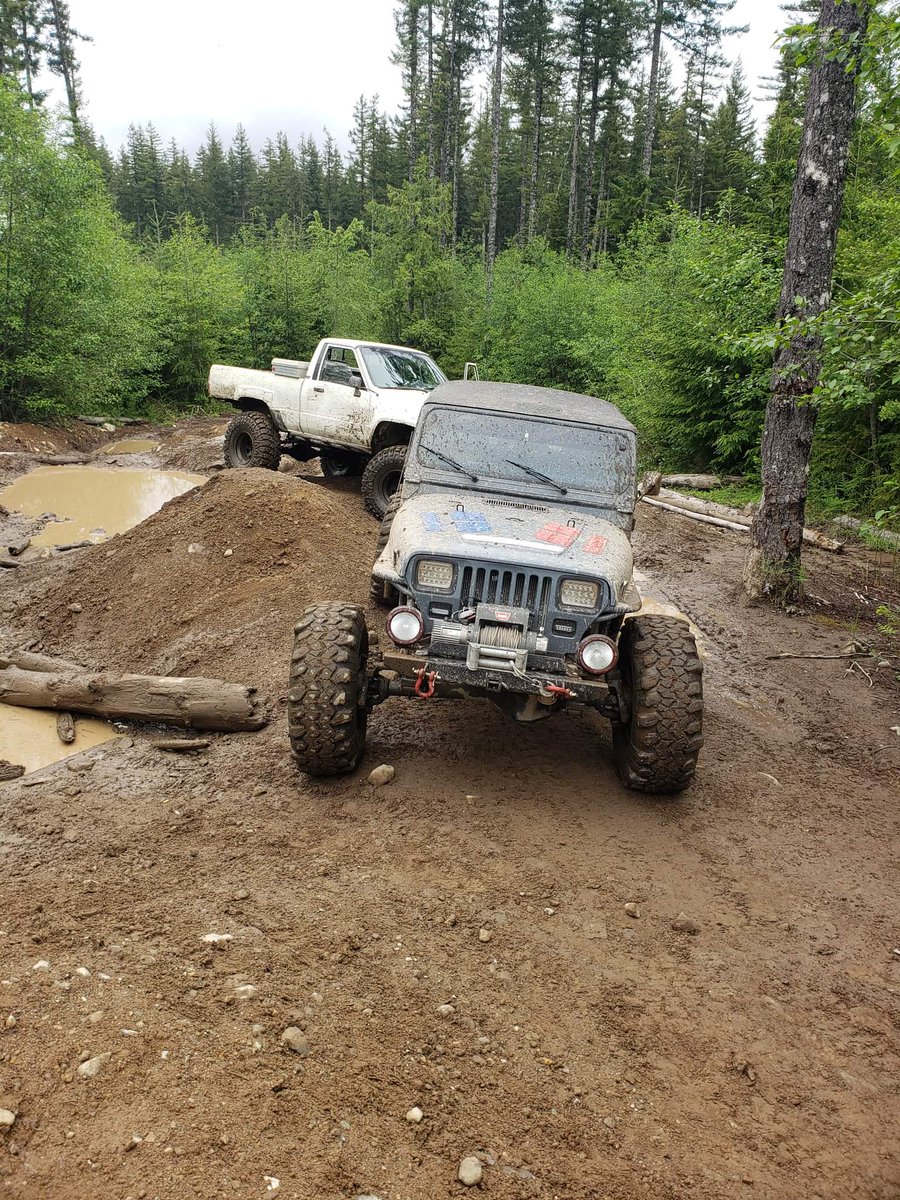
502, 637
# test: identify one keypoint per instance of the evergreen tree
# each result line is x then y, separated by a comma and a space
730, 155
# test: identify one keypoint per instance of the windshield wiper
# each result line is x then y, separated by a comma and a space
451, 462
538, 475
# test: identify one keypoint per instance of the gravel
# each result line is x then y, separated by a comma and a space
470, 1171
295, 1040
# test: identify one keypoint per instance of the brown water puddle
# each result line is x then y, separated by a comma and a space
28, 737
130, 446
92, 503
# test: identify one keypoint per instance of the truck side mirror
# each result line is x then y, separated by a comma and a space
356, 382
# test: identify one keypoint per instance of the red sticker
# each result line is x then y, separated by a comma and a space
595, 545
558, 535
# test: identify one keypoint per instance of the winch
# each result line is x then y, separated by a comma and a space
495, 638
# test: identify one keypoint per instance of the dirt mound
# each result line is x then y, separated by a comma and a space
214, 581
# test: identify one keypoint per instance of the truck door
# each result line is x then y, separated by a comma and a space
332, 409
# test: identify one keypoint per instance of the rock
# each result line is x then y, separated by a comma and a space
241, 894
228, 553
79, 766
75, 608
470, 1171
632, 910
245, 991
7, 1118
446, 1010
10, 1022
196, 548
415, 1115
294, 1039
217, 939
484, 935
108, 427
41, 965
381, 775
610, 1122
685, 924
93, 1066
10, 771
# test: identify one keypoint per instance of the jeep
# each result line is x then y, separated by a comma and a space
506, 565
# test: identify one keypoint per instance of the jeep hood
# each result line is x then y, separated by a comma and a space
508, 532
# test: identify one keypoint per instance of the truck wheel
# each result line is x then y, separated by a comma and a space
381, 478
380, 592
251, 440
339, 465
327, 692
656, 749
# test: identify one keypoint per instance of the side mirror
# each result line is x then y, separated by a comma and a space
356, 382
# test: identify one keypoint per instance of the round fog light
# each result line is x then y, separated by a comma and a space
405, 626
598, 654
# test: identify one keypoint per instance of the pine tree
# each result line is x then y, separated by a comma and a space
730, 154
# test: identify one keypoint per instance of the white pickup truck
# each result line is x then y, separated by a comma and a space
353, 405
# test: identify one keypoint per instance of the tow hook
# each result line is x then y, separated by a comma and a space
425, 677
552, 692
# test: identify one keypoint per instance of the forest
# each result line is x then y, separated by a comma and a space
549, 201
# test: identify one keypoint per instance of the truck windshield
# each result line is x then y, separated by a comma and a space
401, 369
492, 445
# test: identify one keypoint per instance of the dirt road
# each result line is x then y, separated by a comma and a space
456, 940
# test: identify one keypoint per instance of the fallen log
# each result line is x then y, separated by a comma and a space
695, 516
61, 460
30, 660
732, 518
94, 420
74, 545
698, 483
65, 728
9, 563
19, 547
180, 745
9, 771
192, 702
885, 535
649, 484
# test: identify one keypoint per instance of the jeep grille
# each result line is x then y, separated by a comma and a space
518, 588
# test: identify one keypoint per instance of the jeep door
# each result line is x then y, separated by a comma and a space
332, 410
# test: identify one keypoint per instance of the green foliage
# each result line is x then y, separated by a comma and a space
74, 334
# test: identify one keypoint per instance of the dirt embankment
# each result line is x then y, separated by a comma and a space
457, 940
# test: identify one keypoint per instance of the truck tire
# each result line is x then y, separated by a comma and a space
327, 691
380, 592
251, 440
339, 464
656, 749
381, 478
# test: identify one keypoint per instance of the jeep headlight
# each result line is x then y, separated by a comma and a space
434, 576
578, 593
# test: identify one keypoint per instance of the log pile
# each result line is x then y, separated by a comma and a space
721, 515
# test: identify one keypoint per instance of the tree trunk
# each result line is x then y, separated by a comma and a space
66, 58
431, 89
496, 97
773, 566
652, 91
413, 88
572, 221
591, 152
192, 702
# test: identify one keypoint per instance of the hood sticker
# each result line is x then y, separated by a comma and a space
432, 522
558, 535
596, 545
463, 522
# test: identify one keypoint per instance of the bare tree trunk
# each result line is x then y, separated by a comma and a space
652, 91
496, 98
773, 567
66, 58
572, 221
591, 153
413, 88
431, 89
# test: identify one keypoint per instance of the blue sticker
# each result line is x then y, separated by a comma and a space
467, 522
432, 522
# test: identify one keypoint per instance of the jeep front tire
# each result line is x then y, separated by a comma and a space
251, 440
381, 479
327, 712
656, 748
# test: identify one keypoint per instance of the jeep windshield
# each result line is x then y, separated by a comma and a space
495, 446
401, 369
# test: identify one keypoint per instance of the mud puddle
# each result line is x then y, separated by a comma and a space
92, 503
28, 737
130, 446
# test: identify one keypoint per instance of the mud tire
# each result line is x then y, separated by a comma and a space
380, 592
251, 440
381, 479
337, 464
656, 749
326, 697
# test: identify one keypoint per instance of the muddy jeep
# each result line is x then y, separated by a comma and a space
505, 561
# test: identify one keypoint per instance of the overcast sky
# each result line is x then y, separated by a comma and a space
276, 64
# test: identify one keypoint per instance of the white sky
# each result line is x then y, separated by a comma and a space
294, 65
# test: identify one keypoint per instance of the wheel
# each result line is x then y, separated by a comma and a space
380, 592
251, 440
338, 464
656, 749
381, 478
327, 693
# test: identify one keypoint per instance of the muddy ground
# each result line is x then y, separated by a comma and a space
578, 1051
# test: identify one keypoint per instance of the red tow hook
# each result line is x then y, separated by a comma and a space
425, 693
556, 690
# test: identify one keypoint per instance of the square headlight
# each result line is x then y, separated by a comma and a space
434, 576
578, 593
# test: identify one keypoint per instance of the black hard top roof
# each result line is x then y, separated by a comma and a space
528, 401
